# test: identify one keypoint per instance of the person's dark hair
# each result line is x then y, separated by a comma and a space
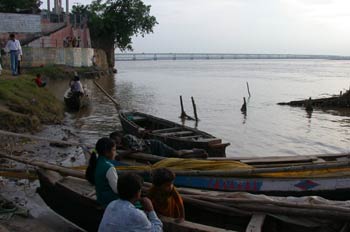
116, 134
76, 78
12, 36
103, 146
38, 75
161, 176
128, 185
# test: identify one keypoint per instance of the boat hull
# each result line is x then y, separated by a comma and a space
152, 128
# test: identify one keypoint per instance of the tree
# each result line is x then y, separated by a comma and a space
112, 23
20, 6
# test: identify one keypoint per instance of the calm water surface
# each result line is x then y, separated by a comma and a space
218, 87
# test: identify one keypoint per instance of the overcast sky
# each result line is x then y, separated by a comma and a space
248, 26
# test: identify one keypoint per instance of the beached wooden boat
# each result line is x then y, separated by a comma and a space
75, 101
171, 133
73, 198
327, 176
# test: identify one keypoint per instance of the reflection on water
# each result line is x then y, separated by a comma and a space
218, 86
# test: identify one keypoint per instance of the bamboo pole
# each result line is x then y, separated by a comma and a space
117, 105
183, 113
60, 169
194, 109
248, 89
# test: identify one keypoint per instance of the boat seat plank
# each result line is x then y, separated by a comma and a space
179, 133
190, 137
168, 225
279, 159
210, 141
171, 129
137, 118
256, 223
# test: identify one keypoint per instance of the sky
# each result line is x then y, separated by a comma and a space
247, 26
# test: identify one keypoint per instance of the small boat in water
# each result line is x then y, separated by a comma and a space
171, 133
75, 100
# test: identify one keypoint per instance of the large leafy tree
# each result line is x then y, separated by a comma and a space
20, 6
113, 23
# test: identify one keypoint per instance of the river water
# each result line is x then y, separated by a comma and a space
218, 87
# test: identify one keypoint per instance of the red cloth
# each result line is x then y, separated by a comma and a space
38, 81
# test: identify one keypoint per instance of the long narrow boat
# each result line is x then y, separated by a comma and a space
327, 176
73, 198
171, 133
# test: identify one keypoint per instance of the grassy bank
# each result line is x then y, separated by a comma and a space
24, 106
64, 72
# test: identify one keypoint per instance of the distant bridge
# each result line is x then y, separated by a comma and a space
217, 56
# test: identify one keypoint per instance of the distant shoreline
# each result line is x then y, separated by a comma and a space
219, 56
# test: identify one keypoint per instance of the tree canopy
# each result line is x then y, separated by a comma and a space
113, 23
20, 6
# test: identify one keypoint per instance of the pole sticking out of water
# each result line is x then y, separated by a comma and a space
183, 113
248, 89
194, 109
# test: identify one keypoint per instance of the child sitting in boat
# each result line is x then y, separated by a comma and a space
164, 196
153, 146
121, 215
101, 171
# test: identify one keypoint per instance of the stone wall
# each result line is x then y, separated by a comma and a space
23, 23
75, 57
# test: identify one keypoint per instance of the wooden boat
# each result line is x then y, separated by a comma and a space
73, 198
75, 101
327, 176
171, 133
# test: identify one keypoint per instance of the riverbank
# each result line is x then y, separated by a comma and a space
26, 107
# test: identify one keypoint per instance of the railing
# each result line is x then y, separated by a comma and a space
216, 56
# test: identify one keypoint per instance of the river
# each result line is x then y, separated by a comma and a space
218, 87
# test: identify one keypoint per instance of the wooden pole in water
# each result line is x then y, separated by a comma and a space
248, 89
109, 96
183, 114
194, 109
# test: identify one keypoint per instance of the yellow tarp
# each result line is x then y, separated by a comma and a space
177, 164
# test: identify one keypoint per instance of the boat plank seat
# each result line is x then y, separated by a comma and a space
210, 141
256, 223
179, 133
191, 137
137, 118
168, 225
171, 129
279, 160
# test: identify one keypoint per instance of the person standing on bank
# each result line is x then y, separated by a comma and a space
14, 47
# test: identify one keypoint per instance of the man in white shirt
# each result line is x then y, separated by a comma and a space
122, 215
15, 49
